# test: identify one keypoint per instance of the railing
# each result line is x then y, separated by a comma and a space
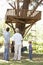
11, 12
23, 12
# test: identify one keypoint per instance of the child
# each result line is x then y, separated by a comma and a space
30, 50
12, 47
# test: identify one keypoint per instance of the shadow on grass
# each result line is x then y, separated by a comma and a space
22, 62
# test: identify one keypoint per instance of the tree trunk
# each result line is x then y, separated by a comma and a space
23, 14
21, 27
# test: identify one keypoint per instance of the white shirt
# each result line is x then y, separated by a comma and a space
17, 38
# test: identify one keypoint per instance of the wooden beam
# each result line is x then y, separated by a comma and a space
11, 25
12, 20
11, 5
35, 7
27, 27
28, 30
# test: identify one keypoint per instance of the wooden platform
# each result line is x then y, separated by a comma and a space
11, 17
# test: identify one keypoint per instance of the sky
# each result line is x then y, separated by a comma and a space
3, 8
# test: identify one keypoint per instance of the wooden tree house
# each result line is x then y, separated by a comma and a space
22, 15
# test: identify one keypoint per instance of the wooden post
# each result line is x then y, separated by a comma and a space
17, 7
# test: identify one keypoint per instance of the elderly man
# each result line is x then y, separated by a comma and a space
17, 38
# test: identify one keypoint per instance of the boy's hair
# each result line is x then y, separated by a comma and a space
7, 29
30, 41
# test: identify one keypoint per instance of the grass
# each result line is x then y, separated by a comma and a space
22, 62
25, 61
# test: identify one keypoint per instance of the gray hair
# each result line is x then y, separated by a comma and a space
17, 30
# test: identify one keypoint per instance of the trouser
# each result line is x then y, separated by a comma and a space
6, 54
17, 55
30, 54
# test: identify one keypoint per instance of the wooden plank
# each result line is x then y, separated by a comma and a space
24, 20
13, 20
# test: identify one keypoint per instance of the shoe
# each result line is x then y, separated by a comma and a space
14, 59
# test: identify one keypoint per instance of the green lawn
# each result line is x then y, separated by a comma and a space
22, 62
37, 60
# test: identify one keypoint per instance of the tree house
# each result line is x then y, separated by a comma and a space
22, 15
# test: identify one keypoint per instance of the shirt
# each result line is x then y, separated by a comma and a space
30, 46
17, 38
6, 38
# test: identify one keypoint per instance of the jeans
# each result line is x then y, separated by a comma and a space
30, 54
17, 55
6, 54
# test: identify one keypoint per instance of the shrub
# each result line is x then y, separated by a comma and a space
1, 40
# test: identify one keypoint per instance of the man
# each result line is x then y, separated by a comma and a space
17, 38
6, 35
